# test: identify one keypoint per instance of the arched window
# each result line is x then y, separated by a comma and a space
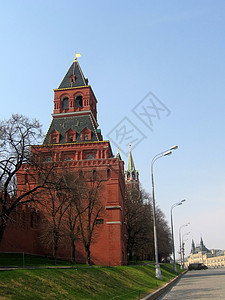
79, 101
65, 104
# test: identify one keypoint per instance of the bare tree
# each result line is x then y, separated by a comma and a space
76, 192
55, 203
164, 235
138, 222
139, 225
89, 209
74, 230
16, 136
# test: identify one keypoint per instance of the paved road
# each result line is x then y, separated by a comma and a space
202, 284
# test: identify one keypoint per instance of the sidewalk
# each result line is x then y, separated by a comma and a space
163, 289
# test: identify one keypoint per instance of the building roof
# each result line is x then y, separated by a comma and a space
200, 248
77, 123
76, 72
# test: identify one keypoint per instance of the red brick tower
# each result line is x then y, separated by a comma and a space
75, 143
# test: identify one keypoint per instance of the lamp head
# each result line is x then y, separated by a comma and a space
174, 147
167, 153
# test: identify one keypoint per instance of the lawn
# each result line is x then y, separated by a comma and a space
79, 282
27, 260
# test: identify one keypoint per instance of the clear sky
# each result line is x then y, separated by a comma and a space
158, 71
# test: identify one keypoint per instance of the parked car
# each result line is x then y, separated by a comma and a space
197, 266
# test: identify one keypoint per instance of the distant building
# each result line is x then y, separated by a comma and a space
201, 254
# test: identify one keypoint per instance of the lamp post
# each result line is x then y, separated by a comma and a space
183, 247
180, 241
173, 247
157, 266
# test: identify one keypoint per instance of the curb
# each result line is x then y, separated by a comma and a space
163, 289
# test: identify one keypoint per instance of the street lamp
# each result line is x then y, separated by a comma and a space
183, 247
180, 241
173, 247
157, 266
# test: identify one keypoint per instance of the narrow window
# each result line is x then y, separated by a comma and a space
54, 140
72, 78
86, 137
71, 138
99, 221
25, 178
108, 174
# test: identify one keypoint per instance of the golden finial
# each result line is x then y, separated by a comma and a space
76, 56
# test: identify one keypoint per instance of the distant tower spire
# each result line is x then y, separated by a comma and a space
131, 175
130, 164
201, 244
192, 247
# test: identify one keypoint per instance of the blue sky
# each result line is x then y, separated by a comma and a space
173, 49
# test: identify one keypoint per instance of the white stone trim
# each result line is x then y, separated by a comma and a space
114, 207
114, 222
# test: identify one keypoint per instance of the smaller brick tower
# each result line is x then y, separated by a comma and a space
131, 174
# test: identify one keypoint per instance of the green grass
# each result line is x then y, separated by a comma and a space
27, 260
83, 283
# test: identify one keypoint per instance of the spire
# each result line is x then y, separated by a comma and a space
193, 246
74, 76
130, 164
118, 155
131, 175
201, 244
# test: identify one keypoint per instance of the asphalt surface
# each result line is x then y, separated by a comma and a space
202, 284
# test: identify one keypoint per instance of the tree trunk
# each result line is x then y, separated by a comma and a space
73, 251
2, 229
3, 223
88, 254
55, 246
130, 251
